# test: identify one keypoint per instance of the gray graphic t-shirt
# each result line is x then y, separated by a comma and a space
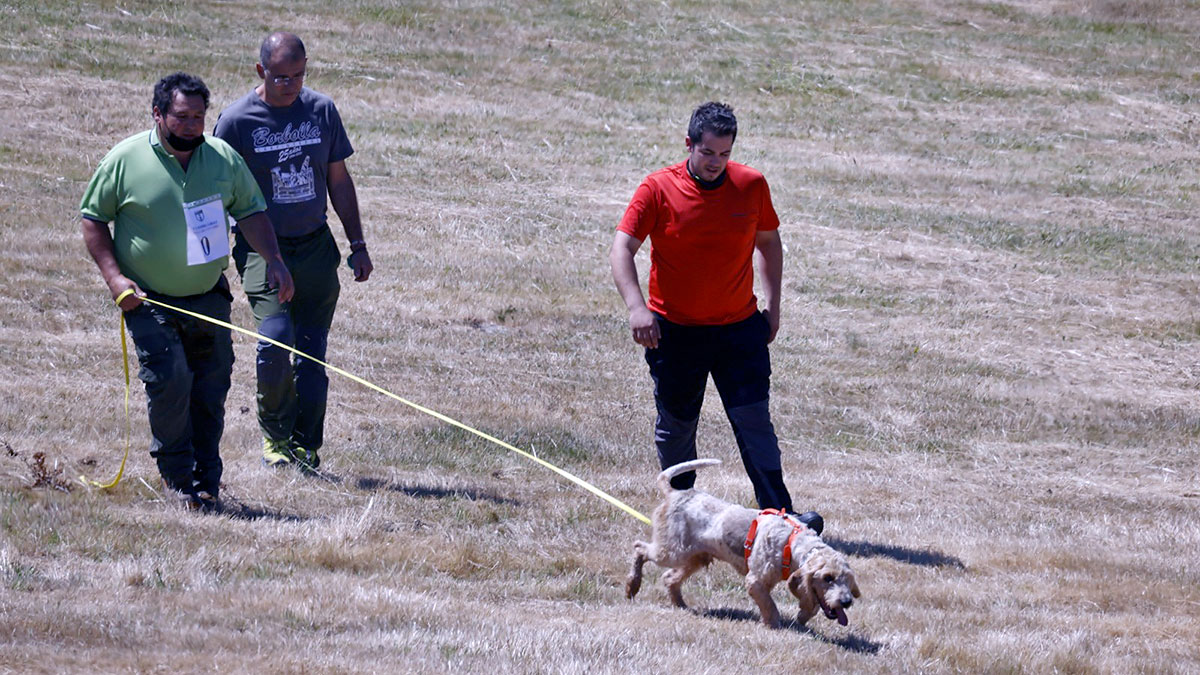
288, 151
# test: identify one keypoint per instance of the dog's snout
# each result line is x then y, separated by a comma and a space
847, 600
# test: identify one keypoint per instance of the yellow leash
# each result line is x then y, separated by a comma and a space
432, 413
128, 425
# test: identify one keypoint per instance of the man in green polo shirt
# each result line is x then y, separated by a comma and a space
168, 192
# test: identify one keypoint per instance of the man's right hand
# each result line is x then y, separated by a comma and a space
644, 326
121, 283
642, 322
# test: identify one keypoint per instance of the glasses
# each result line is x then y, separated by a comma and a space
281, 80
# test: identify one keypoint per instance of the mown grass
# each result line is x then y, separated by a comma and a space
984, 379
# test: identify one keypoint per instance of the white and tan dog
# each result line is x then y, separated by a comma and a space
692, 528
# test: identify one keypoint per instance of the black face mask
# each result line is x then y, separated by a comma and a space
706, 184
184, 144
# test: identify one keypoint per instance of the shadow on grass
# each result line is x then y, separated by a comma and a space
236, 509
924, 557
239, 510
851, 643
317, 474
375, 484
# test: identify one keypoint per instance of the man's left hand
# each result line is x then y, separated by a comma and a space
280, 278
773, 322
360, 262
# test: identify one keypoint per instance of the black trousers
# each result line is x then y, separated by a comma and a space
186, 365
736, 357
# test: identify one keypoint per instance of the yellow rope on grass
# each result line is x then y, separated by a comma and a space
432, 413
128, 425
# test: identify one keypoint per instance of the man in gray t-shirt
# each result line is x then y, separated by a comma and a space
295, 145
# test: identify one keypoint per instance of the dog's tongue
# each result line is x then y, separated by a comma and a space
841, 616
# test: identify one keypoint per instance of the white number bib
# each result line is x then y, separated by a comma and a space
207, 235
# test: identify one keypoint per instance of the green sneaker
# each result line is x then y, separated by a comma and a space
276, 453
307, 460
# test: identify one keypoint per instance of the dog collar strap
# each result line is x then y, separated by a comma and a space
787, 551
752, 534
748, 547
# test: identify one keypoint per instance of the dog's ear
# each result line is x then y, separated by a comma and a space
800, 584
854, 587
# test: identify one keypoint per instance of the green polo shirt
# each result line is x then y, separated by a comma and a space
141, 188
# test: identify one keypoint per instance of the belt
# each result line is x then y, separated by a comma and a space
296, 241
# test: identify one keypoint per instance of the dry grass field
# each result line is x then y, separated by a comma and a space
986, 380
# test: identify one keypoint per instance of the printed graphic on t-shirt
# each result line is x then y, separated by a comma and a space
290, 184
288, 153
266, 140
293, 185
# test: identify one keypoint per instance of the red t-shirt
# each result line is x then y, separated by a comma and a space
701, 242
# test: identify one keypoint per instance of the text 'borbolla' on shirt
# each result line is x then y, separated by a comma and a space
701, 242
168, 223
288, 150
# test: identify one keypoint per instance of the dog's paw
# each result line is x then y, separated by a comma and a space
632, 586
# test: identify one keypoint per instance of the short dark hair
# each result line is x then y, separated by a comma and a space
715, 118
280, 40
188, 85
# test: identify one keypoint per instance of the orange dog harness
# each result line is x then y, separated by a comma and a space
797, 528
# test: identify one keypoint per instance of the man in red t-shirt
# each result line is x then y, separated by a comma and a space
709, 220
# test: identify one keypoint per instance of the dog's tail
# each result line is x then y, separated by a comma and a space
664, 478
